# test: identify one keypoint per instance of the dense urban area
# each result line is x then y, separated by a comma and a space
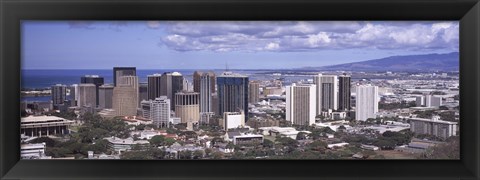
246, 115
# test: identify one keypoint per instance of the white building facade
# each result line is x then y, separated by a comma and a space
366, 102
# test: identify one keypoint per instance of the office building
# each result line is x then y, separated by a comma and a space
59, 95
93, 79
125, 96
187, 106
344, 94
206, 91
232, 120
171, 83
154, 86
434, 126
158, 111
253, 92
232, 90
123, 71
197, 76
87, 95
366, 102
142, 92
300, 104
105, 97
327, 92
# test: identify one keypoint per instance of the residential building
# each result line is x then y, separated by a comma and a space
300, 104
105, 97
87, 95
344, 94
254, 92
327, 92
366, 102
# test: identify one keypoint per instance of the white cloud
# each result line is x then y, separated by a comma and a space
291, 36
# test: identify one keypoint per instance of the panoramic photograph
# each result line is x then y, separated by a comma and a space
240, 90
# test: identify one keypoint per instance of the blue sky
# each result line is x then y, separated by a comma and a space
240, 44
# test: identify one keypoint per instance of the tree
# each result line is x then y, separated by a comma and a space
267, 143
49, 142
157, 140
168, 141
217, 155
384, 144
317, 145
301, 136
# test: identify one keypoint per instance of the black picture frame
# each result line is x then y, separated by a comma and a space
12, 12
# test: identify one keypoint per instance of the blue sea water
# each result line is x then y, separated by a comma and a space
45, 78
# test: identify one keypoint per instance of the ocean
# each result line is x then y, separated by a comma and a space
45, 78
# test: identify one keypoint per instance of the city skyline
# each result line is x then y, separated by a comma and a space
240, 44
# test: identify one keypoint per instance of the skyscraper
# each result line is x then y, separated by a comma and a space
142, 92
125, 96
123, 71
93, 79
171, 83
157, 110
154, 86
327, 92
73, 96
197, 80
254, 92
344, 94
59, 95
366, 102
300, 104
87, 95
187, 106
206, 92
232, 93
105, 97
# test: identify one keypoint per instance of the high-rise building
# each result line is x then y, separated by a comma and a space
125, 96
197, 80
215, 104
171, 83
93, 79
105, 97
123, 71
87, 95
142, 92
59, 95
254, 92
344, 94
154, 86
157, 110
206, 92
300, 104
327, 92
187, 106
420, 101
366, 102
73, 96
232, 92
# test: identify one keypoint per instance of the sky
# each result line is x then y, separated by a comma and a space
238, 44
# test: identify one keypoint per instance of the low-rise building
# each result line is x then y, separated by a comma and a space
32, 151
434, 126
44, 125
121, 145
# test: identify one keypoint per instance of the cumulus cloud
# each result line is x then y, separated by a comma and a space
291, 36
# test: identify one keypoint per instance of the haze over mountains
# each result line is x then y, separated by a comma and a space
415, 63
